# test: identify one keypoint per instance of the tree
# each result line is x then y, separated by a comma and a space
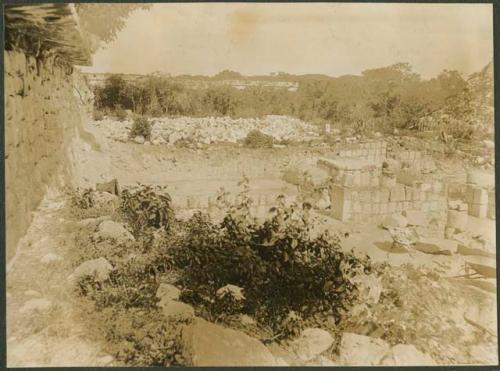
100, 22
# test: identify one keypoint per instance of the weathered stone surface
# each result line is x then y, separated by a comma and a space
406, 355
311, 343
167, 292
359, 350
41, 304
395, 221
416, 217
93, 222
51, 258
176, 308
439, 246
139, 139
99, 269
208, 344
112, 230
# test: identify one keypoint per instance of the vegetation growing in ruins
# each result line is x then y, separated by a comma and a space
141, 126
147, 207
257, 139
286, 276
380, 99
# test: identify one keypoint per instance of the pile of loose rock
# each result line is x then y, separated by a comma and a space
207, 130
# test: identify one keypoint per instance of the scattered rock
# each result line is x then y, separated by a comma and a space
35, 305
110, 229
139, 139
208, 344
406, 355
99, 269
359, 350
147, 143
51, 258
311, 343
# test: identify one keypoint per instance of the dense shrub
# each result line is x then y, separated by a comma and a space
141, 126
147, 206
257, 139
279, 266
83, 198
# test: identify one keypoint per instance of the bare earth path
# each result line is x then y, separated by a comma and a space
43, 327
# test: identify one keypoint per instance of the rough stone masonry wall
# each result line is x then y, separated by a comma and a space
40, 115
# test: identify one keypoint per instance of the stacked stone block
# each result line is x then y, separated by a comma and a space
374, 151
378, 202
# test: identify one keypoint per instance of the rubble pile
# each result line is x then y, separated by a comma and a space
206, 130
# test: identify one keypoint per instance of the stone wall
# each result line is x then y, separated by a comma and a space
41, 115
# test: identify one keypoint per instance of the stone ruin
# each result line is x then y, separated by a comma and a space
368, 184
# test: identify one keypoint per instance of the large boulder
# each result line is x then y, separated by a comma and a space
207, 344
311, 343
167, 292
406, 355
99, 269
109, 229
359, 350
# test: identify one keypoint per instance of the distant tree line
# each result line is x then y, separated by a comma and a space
392, 96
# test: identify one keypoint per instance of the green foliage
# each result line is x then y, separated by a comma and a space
141, 126
380, 99
141, 338
280, 267
257, 139
147, 206
83, 198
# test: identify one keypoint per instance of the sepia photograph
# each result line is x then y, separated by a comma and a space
249, 184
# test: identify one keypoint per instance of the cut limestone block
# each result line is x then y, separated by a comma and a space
416, 217
478, 210
341, 202
394, 221
439, 246
457, 219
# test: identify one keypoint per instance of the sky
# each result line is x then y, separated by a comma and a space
299, 38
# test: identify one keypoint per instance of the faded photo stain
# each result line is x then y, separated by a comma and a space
242, 24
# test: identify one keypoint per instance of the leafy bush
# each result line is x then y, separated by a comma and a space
83, 198
141, 126
278, 265
257, 139
137, 337
147, 206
